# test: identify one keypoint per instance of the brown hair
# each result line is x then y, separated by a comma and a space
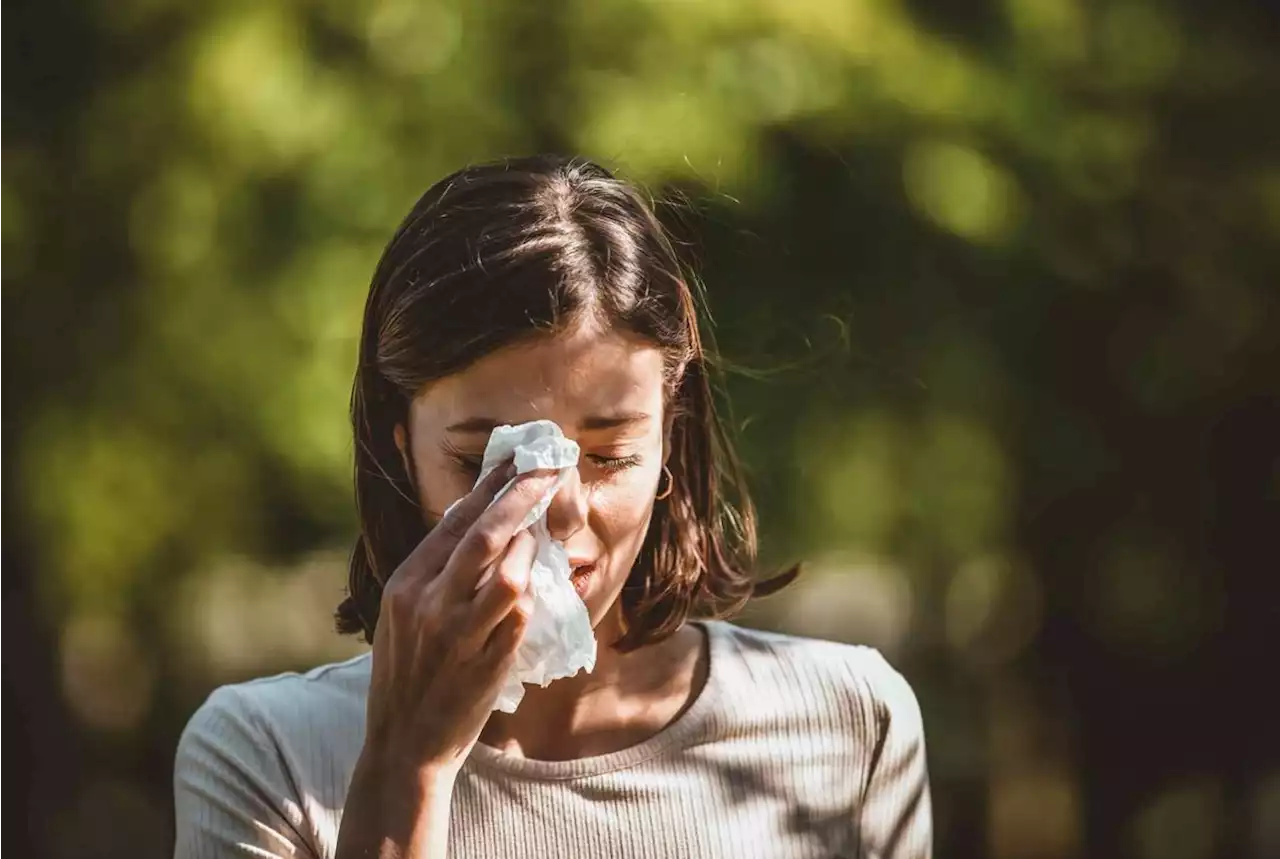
500, 252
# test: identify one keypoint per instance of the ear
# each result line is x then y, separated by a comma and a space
402, 445
668, 420
669, 412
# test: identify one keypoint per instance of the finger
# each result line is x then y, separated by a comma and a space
454, 525
432, 552
489, 535
505, 587
508, 634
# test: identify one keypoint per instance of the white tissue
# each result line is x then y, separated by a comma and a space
558, 641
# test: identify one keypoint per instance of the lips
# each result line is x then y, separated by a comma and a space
581, 577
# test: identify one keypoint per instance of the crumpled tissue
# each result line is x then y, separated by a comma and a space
558, 640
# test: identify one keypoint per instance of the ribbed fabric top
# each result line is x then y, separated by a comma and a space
794, 747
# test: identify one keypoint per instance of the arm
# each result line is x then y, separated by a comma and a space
395, 811
442, 646
444, 642
232, 796
896, 816
235, 800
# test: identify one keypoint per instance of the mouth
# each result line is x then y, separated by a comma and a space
581, 577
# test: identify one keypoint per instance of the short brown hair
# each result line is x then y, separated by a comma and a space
500, 252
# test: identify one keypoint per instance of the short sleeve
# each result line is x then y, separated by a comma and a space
896, 815
233, 798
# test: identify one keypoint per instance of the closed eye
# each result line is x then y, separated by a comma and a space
468, 464
610, 464
613, 464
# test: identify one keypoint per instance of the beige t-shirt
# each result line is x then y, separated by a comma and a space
794, 748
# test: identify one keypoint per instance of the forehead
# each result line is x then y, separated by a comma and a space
564, 377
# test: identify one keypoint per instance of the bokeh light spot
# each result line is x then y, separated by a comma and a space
1182, 821
1264, 824
962, 191
1052, 32
106, 677
853, 598
856, 490
993, 610
413, 37
1140, 44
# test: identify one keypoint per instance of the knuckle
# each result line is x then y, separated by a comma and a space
490, 541
395, 596
454, 525
507, 584
434, 613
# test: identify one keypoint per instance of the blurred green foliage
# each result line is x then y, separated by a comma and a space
997, 282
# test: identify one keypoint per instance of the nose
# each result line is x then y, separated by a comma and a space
568, 511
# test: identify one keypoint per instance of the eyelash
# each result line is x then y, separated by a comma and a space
609, 464
614, 464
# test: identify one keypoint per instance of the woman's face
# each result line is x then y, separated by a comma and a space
605, 390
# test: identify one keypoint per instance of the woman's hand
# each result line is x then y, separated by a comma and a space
443, 645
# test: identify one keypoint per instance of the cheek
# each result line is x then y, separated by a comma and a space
621, 518
439, 484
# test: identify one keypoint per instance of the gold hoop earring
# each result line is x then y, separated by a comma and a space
671, 485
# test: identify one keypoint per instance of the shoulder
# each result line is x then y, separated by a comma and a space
262, 763
843, 676
241, 720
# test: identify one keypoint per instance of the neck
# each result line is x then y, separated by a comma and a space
626, 699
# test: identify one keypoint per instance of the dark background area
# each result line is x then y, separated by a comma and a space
995, 284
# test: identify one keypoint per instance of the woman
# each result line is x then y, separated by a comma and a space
545, 288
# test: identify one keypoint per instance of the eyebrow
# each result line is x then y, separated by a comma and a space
593, 422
